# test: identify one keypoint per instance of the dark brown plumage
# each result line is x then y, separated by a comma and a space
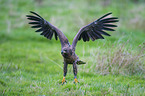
92, 31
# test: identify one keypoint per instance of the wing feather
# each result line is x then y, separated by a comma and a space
39, 30
96, 29
46, 29
109, 25
34, 23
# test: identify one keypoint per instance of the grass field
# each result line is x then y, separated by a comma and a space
32, 65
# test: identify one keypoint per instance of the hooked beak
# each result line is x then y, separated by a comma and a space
63, 52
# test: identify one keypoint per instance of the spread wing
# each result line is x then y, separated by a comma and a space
46, 29
96, 29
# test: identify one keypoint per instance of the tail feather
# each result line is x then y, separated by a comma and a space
79, 62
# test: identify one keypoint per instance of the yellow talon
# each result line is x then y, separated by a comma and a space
63, 80
76, 81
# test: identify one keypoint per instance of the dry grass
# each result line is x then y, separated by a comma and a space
118, 59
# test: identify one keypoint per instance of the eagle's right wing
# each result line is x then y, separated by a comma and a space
95, 29
46, 29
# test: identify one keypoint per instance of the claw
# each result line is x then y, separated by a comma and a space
76, 81
63, 80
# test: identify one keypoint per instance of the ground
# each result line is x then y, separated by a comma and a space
29, 66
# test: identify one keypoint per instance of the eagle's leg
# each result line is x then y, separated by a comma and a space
75, 72
65, 72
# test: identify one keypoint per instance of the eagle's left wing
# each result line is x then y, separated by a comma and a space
95, 29
46, 28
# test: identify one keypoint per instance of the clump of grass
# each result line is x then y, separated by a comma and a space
120, 60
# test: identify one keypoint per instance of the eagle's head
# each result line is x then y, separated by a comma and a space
66, 52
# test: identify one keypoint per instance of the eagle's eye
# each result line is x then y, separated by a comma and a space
64, 51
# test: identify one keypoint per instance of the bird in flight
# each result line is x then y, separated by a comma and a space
92, 31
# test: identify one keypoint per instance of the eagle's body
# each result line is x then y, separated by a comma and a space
70, 56
92, 31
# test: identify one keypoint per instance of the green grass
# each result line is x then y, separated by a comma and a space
32, 65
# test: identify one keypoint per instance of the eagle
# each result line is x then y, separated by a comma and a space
92, 31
